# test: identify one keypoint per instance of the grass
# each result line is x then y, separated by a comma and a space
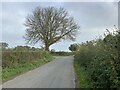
82, 77
9, 73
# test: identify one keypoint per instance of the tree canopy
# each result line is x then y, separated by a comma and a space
3, 45
73, 47
49, 25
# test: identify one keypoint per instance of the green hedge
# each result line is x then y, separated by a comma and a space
17, 62
62, 53
101, 59
15, 58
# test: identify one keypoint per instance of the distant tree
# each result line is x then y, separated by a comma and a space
33, 48
19, 48
52, 50
22, 48
3, 45
49, 25
27, 47
73, 47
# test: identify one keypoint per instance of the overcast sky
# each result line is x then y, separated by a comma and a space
92, 17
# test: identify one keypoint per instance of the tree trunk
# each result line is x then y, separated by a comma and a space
46, 47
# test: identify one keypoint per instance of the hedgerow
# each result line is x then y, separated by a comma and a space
101, 59
15, 58
16, 62
62, 53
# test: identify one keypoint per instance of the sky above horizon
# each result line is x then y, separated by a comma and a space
92, 17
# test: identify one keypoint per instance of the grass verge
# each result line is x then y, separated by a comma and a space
9, 73
82, 79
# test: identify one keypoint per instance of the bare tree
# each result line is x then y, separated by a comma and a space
49, 25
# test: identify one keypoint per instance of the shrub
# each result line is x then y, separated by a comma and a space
15, 58
62, 53
18, 62
101, 58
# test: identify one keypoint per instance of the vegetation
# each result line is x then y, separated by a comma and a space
101, 60
74, 47
21, 59
62, 53
82, 80
49, 25
3, 45
26, 48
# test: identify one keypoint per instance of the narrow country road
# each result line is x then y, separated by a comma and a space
58, 73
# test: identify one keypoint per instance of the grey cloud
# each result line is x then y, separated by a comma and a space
94, 14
